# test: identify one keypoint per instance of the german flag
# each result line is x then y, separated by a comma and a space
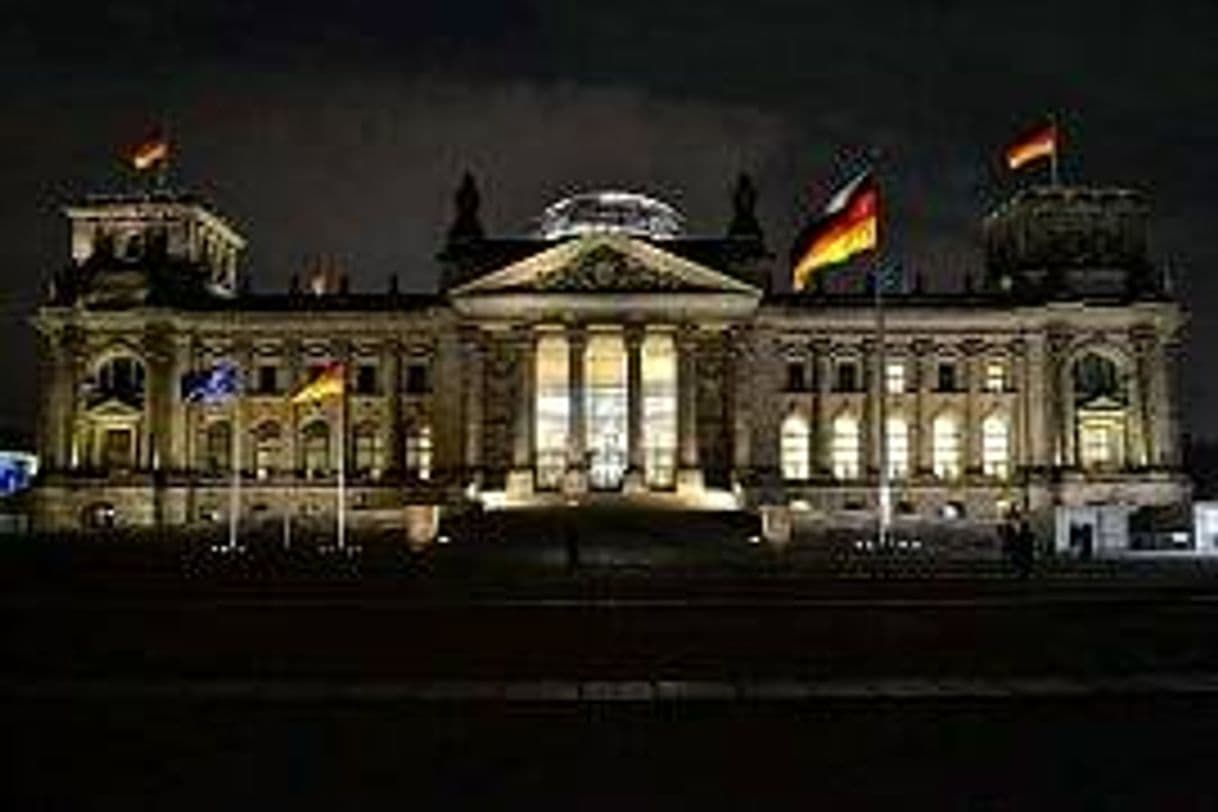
1038, 143
329, 382
150, 152
848, 226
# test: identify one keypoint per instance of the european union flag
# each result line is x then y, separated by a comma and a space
218, 384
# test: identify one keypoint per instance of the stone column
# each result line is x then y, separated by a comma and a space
446, 410
1163, 384
1034, 397
636, 480
740, 391
520, 477
473, 357
1062, 397
1138, 433
689, 471
766, 417
179, 425
576, 480
243, 352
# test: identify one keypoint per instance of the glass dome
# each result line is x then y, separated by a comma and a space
610, 212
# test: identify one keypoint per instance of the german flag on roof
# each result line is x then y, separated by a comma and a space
1038, 143
849, 225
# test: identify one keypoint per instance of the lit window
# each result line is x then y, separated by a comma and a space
946, 448
217, 448
845, 449
369, 451
995, 447
418, 452
894, 377
995, 376
897, 451
796, 449
316, 449
1101, 437
266, 449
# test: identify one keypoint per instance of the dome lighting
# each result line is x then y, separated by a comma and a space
610, 212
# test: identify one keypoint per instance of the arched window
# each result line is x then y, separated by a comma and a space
369, 451
796, 451
845, 449
945, 451
418, 451
316, 444
898, 447
267, 448
1097, 377
217, 448
996, 447
121, 377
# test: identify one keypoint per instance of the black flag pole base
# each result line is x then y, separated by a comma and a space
348, 550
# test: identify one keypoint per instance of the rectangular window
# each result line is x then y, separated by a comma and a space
995, 376
894, 377
416, 379
418, 452
947, 377
268, 380
365, 379
796, 378
847, 376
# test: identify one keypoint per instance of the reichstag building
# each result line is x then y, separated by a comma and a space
607, 356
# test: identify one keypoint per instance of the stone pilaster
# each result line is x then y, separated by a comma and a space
395, 440
446, 414
740, 389
524, 351
473, 355
291, 434
1139, 434
635, 481
1061, 399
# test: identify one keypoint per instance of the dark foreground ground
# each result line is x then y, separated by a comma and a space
161, 682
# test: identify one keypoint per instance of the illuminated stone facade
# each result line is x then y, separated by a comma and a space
608, 362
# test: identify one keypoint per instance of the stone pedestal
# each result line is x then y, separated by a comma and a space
575, 482
634, 482
776, 524
690, 482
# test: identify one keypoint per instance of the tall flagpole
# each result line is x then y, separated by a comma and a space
342, 463
884, 495
234, 506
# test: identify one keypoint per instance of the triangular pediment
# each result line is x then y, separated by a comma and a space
611, 264
114, 408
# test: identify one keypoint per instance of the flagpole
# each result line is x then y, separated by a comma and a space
342, 465
883, 494
234, 506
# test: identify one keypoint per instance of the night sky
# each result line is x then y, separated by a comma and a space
343, 128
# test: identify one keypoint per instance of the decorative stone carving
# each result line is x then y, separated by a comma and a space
604, 269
